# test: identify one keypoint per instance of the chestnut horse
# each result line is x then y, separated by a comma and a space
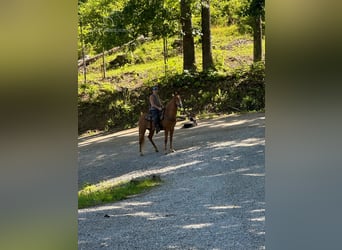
168, 124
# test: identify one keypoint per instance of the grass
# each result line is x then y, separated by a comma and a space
152, 67
99, 194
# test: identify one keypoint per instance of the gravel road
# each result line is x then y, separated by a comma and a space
212, 197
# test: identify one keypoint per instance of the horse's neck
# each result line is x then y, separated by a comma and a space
171, 109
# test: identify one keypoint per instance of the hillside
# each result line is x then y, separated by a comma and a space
121, 95
146, 62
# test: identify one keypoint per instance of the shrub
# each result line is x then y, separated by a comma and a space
106, 108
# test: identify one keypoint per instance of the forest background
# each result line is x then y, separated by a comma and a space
210, 51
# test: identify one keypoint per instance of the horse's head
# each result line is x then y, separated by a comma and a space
178, 100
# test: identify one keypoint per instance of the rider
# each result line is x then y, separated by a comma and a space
155, 108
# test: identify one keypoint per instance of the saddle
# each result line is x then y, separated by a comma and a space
148, 117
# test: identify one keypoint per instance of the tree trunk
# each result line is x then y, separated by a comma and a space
165, 54
188, 39
207, 57
257, 37
83, 56
103, 63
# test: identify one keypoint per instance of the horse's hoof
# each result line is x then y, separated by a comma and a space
141, 154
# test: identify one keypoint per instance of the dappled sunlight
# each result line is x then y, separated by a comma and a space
174, 167
260, 233
135, 204
141, 214
188, 150
249, 142
258, 219
221, 144
255, 175
142, 173
242, 170
138, 214
230, 226
212, 187
197, 226
129, 205
214, 175
230, 121
101, 156
224, 207
104, 138
257, 211
223, 125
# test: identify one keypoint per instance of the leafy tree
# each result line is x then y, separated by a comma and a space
228, 12
249, 15
155, 17
102, 24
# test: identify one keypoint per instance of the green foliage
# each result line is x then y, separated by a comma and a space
107, 23
116, 102
93, 195
101, 22
201, 92
143, 17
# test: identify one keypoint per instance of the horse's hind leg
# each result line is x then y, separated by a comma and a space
141, 140
171, 137
141, 143
150, 135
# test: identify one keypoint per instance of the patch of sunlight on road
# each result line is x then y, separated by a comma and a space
147, 215
249, 142
224, 207
257, 211
103, 138
255, 175
229, 124
123, 205
258, 219
140, 173
222, 144
197, 226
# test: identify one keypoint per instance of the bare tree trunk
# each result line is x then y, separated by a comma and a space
207, 57
165, 54
103, 64
83, 57
188, 39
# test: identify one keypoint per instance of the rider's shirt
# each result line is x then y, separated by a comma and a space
156, 101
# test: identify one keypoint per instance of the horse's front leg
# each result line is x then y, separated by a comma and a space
141, 140
171, 136
166, 132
